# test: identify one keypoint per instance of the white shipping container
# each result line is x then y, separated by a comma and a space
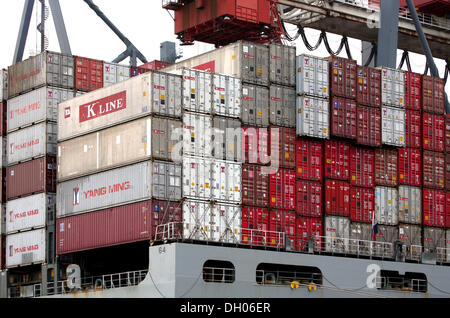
226, 181
36, 106
197, 220
282, 64
25, 248
227, 223
121, 102
409, 205
282, 106
245, 60
392, 87
337, 234
110, 148
312, 76
104, 190
32, 142
386, 205
3, 85
197, 135
31, 212
197, 183
114, 73
226, 96
313, 117
393, 126
197, 91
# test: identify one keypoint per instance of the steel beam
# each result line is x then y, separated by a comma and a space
23, 31
60, 27
388, 34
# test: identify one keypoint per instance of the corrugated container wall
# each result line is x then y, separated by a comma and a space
226, 180
119, 225
337, 197
26, 248
30, 177
255, 186
164, 212
282, 64
309, 198
410, 167
32, 142
409, 205
31, 212
308, 229
337, 160
413, 91
433, 94
362, 204
447, 210
227, 224
368, 126
104, 190
36, 106
166, 134
166, 183
386, 234
114, 73
255, 224
45, 69
413, 129
433, 127
343, 117
386, 167
368, 86
393, 126
392, 87
156, 93
411, 237
312, 76
227, 138
255, 105
309, 157
362, 167
244, 60
343, 77
197, 183
360, 235
447, 133
197, 135
313, 117
282, 189
197, 220
434, 241
3, 85
282, 228
3, 118
447, 172
433, 170
113, 147
282, 106
337, 233
434, 207
386, 205
282, 147
226, 92
88, 74
255, 145
197, 91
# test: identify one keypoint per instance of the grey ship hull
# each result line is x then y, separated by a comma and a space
175, 272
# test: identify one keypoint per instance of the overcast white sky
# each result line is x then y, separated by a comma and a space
144, 22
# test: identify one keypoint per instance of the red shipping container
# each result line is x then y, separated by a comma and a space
155, 65
337, 198
386, 167
255, 186
309, 160
433, 132
447, 211
164, 212
413, 91
308, 229
447, 172
368, 125
410, 167
309, 198
283, 140
282, 189
362, 204
88, 74
337, 159
282, 222
343, 117
362, 167
255, 145
255, 226
447, 133
343, 77
138, 70
368, 86
434, 207
433, 95
433, 169
31, 177
413, 129
116, 226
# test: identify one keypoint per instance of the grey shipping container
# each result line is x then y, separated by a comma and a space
255, 105
45, 69
386, 234
104, 190
245, 60
227, 136
166, 181
32, 142
337, 234
360, 237
409, 205
434, 241
3, 85
282, 106
386, 205
282, 64
166, 133
411, 238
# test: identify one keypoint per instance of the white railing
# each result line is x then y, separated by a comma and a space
401, 284
412, 252
275, 277
218, 275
